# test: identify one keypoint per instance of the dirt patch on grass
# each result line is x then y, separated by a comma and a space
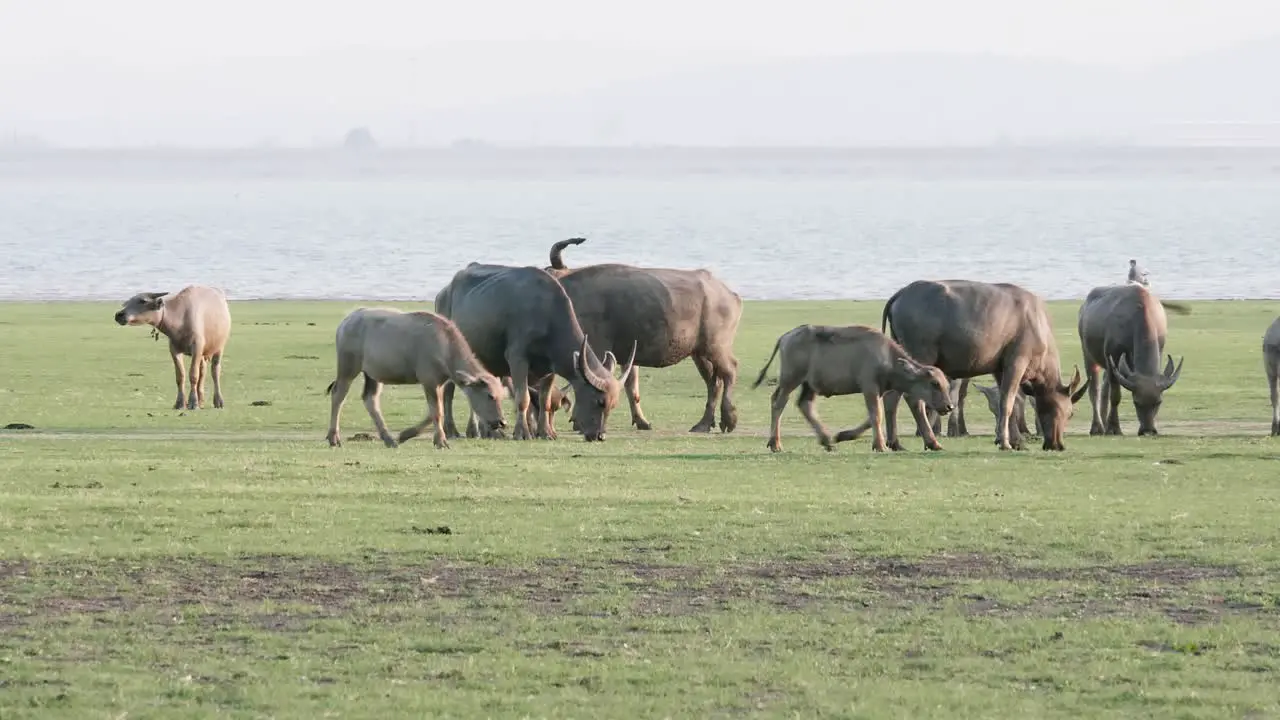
304, 590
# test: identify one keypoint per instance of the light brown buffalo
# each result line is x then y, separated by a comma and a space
393, 347
968, 328
842, 360
559, 401
197, 322
1271, 357
1122, 331
666, 315
957, 425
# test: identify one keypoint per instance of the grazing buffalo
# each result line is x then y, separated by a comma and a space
1122, 332
521, 324
393, 347
1271, 357
667, 315
826, 360
559, 401
956, 424
197, 322
967, 328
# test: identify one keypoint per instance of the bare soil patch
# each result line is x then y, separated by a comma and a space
232, 591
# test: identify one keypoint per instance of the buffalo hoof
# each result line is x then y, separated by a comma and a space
730, 424
1095, 430
774, 445
957, 433
334, 440
441, 443
877, 447
193, 403
934, 446
180, 404
896, 446
390, 442
1275, 428
702, 427
847, 435
217, 402
825, 442
641, 424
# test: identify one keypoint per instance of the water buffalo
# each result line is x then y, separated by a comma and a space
967, 328
842, 360
667, 315
197, 322
1122, 330
521, 323
1271, 358
393, 347
956, 423
559, 401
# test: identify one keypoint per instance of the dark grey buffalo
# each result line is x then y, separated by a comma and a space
667, 315
967, 328
1122, 332
521, 324
1271, 360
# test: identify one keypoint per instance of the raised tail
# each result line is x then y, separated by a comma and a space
765, 371
1177, 307
884, 316
556, 261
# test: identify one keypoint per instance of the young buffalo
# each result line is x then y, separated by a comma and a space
393, 347
833, 360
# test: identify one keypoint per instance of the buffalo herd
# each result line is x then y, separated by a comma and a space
500, 330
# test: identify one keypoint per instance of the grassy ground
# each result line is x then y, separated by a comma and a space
186, 564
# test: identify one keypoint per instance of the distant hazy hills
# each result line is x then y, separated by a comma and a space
859, 100
901, 100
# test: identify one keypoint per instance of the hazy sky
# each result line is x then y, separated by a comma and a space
60, 58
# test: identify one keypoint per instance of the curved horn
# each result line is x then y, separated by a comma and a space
1121, 372
584, 367
1171, 373
556, 261
630, 367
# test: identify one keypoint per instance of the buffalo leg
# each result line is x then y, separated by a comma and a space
450, 428
1007, 437
956, 426
179, 376
1113, 405
520, 381
434, 401
341, 387
1273, 381
920, 413
806, 404
372, 390
632, 388
891, 399
726, 369
778, 403
713, 395
875, 416
196, 376
546, 422
1093, 373
215, 367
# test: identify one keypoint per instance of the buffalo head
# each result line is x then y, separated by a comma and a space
141, 309
596, 390
1055, 403
926, 383
1147, 390
485, 394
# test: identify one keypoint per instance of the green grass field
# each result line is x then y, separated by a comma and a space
158, 563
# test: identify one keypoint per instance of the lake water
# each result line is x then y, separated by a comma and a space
773, 224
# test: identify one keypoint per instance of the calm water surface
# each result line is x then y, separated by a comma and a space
802, 226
